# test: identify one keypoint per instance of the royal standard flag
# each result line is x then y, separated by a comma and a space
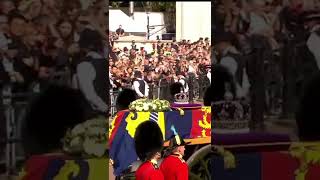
122, 150
51, 167
201, 124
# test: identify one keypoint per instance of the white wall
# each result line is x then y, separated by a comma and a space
193, 20
138, 24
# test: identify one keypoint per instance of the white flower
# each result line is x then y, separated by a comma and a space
77, 130
94, 123
66, 148
75, 141
92, 148
154, 107
96, 131
146, 107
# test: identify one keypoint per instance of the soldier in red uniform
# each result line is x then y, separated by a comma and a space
148, 143
173, 166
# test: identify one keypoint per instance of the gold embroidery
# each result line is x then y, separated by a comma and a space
308, 154
154, 163
203, 123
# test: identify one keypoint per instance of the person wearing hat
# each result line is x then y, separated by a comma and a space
148, 144
173, 165
91, 73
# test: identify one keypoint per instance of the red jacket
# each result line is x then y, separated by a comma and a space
174, 168
148, 171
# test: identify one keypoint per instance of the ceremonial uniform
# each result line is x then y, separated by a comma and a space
148, 144
174, 167
149, 171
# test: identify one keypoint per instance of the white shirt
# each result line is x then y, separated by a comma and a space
232, 66
209, 76
86, 75
136, 86
313, 44
184, 84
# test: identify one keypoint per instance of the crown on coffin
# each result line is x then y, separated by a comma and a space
231, 117
181, 97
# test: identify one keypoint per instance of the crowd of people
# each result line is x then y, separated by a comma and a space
45, 42
40, 40
167, 63
270, 48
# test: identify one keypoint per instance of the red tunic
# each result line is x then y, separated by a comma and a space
174, 168
147, 171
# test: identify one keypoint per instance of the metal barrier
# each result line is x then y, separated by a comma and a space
197, 89
14, 113
276, 76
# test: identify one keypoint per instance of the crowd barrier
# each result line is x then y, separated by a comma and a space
196, 91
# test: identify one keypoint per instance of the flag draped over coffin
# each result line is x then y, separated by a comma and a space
191, 124
62, 168
279, 165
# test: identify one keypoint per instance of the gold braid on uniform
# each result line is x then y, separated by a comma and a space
154, 163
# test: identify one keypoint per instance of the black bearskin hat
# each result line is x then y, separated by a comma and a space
148, 140
49, 115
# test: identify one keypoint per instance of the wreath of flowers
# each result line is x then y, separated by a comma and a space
149, 105
88, 138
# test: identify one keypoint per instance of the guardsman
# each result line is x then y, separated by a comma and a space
148, 143
173, 165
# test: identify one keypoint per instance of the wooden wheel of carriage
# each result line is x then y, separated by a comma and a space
199, 164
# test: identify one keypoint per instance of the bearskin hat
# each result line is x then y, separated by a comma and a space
148, 140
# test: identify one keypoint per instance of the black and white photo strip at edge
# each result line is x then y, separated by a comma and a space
265, 82
53, 83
